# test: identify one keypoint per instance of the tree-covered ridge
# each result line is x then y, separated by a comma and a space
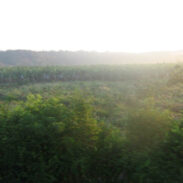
44, 58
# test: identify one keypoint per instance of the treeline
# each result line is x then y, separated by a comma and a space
59, 140
83, 73
44, 58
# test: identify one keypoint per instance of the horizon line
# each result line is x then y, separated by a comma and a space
91, 51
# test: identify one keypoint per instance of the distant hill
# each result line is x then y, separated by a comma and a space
41, 58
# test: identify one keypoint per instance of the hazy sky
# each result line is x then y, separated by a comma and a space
101, 25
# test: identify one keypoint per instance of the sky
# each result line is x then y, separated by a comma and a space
92, 25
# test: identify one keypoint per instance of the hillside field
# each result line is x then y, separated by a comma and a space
91, 124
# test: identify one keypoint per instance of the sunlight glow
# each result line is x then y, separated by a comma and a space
101, 25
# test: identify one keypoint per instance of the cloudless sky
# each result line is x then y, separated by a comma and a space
101, 25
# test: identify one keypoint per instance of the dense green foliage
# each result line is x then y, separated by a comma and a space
125, 126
